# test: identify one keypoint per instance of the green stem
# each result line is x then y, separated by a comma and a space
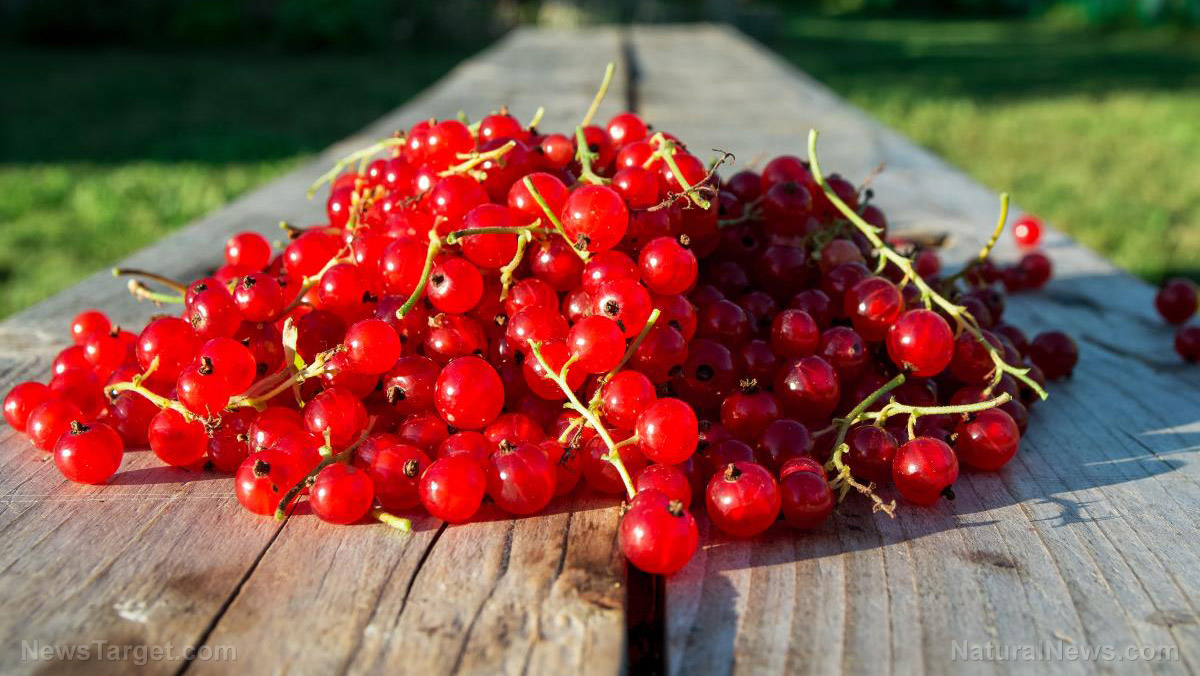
550, 216
688, 189
360, 154
477, 159
835, 462
258, 401
585, 156
633, 346
435, 245
142, 292
453, 237
896, 408
613, 456
157, 400
961, 316
398, 522
161, 279
341, 456
609, 70
507, 272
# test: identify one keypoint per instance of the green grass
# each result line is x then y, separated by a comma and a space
1099, 134
101, 154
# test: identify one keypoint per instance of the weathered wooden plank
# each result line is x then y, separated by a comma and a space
163, 556
1089, 537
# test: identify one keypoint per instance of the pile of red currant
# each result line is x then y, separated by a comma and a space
493, 314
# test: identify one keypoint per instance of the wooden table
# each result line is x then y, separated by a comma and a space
1088, 539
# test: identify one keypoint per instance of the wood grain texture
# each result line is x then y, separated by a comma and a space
163, 556
1089, 537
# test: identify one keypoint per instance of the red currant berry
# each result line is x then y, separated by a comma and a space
1037, 270
873, 306
248, 250
987, 440
20, 402
50, 420
808, 389
870, 453
807, 500
201, 390
667, 267
336, 415
171, 343
520, 478
89, 454
372, 346
921, 342
88, 323
595, 217
177, 441
747, 413
923, 469
259, 297
658, 535
1055, 353
626, 302
1027, 231
597, 344
452, 488
395, 474
782, 440
667, 479
1187, 343
794, 334
469, 393
264, 478
668, 431
341, 494
743, 499
1176, 300
625, 397
455, 286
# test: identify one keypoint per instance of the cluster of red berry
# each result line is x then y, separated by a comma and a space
495, 312
1176, 301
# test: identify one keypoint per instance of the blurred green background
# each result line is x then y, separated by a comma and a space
124, 119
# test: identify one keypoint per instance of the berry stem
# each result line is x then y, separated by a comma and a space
689, 190
537, 118
896, 408
435, 246
475, 159
398, 522
453, 237
161, 279
356, 156
584, 155
613, 456
609, 70
987, 248
340, 456
142, 292
550, 216
311, 281
507, 272
156, 399
960, 315
633, 346
259, 401
835, 462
